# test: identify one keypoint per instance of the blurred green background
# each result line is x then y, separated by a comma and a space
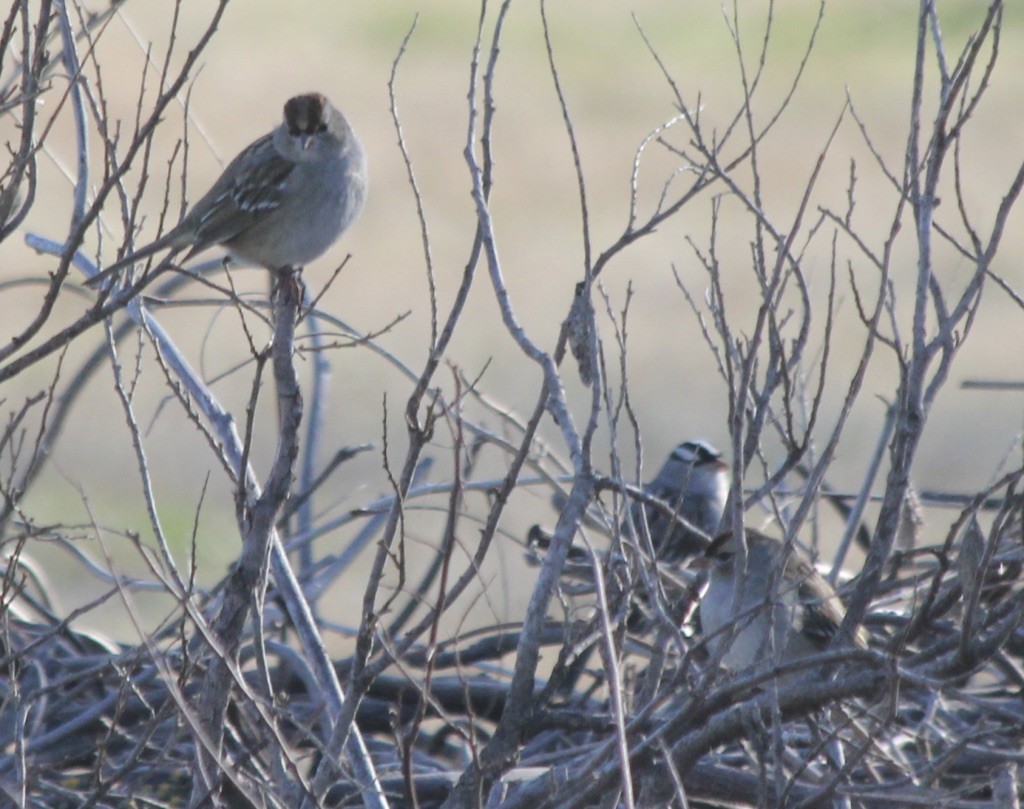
616, 95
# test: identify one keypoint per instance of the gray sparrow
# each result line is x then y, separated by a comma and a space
694, 483
774, 609
283, 200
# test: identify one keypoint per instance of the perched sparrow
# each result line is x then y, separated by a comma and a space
283, 201
804, 610
694, 482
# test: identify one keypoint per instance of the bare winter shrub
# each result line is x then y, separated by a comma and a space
601, 691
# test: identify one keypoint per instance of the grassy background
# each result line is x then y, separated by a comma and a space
616, 95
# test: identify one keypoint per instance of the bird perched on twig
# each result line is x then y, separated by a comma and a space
282, 201
694, 483
775, 608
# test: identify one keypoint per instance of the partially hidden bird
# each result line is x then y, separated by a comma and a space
694, 483
766, 607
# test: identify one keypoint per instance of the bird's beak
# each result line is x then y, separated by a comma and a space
305, 141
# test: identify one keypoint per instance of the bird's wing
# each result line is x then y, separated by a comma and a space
822, 614
240, 199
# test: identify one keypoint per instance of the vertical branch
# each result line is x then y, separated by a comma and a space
245, 587
34, 59
314, 428
74, 68
920, 382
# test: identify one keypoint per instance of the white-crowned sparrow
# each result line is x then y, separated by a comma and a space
283, 200
775, 609
694, 483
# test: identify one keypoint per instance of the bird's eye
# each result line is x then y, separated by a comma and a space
705, 453
322, 127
